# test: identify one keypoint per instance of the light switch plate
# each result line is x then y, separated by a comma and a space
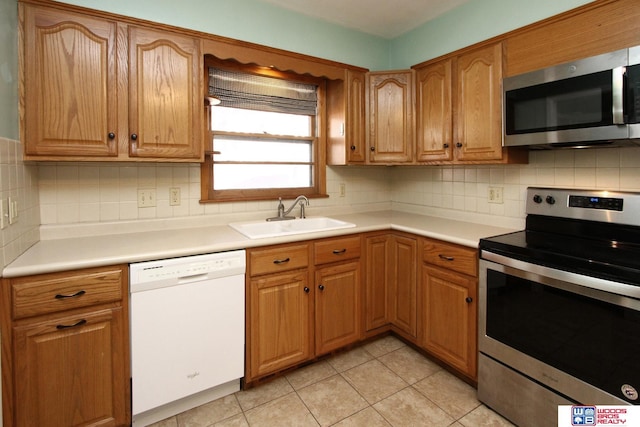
4, 213
13, 210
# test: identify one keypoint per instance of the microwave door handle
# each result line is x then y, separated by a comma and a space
617, 86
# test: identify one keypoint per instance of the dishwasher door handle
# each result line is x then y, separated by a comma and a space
191, 279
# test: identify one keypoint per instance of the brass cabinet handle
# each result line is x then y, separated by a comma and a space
78, 323
339, 251
282, 261
77, 294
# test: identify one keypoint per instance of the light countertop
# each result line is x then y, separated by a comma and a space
49, 256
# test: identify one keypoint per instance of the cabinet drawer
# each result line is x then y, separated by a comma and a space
49, 293
274, 260
326, 251
453, 257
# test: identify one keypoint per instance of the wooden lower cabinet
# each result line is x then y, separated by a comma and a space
376, 301
402, 292
337, 306
448, 317
298, 309
68, 363
279, 322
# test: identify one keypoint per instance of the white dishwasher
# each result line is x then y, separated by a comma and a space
187, 332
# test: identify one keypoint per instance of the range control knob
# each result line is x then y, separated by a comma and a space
551, 200
537, 198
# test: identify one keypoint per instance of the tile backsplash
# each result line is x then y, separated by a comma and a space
464, 189
93, 193
19, 182
73, 193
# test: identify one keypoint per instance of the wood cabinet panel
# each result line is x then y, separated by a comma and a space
278, 259
70, 374
337, 306
69, 84
96, 89
593, 29
165, 104
402, 292
434, 112
451, 256
478, 105
378, 252
334, 250
356, 131
391, 116
280, 332
66, 361
32, 296
449, 310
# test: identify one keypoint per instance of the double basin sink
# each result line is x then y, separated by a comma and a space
263, 229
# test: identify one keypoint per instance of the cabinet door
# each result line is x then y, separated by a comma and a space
391, 104
337, 306
402, 290
449, 310
279, 323
70, 371
434, 124
355, 127
479, 104
165, 102
378, 251
68, 98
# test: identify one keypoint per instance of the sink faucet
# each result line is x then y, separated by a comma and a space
283, 214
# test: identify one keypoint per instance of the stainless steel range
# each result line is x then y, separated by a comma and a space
559, 313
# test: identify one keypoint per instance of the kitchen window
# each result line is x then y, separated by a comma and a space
264, 133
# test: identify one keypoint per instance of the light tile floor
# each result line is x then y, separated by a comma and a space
382, 383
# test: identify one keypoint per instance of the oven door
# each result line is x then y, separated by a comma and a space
574, 334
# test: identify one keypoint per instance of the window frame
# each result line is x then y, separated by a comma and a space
318, 125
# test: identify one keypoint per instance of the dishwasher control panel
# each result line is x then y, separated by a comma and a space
176, 271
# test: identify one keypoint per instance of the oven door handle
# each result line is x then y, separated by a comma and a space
581, 283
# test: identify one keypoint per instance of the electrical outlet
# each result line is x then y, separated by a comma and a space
146, 198
343, 189
174, 196
495, 195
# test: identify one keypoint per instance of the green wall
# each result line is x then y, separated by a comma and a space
470, 23
257, 22
8, 69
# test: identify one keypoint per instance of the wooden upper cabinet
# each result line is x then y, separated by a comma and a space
68, 96
391, 117
98, 89
346, 119
478, 105
356, 123
434, 123
164, 99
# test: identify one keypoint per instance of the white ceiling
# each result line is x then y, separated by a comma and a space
384, 18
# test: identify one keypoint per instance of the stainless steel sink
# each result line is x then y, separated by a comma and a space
262, 229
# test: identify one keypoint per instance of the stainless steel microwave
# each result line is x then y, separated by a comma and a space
590, 102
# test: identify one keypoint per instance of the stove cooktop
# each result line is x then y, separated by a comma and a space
594, 233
